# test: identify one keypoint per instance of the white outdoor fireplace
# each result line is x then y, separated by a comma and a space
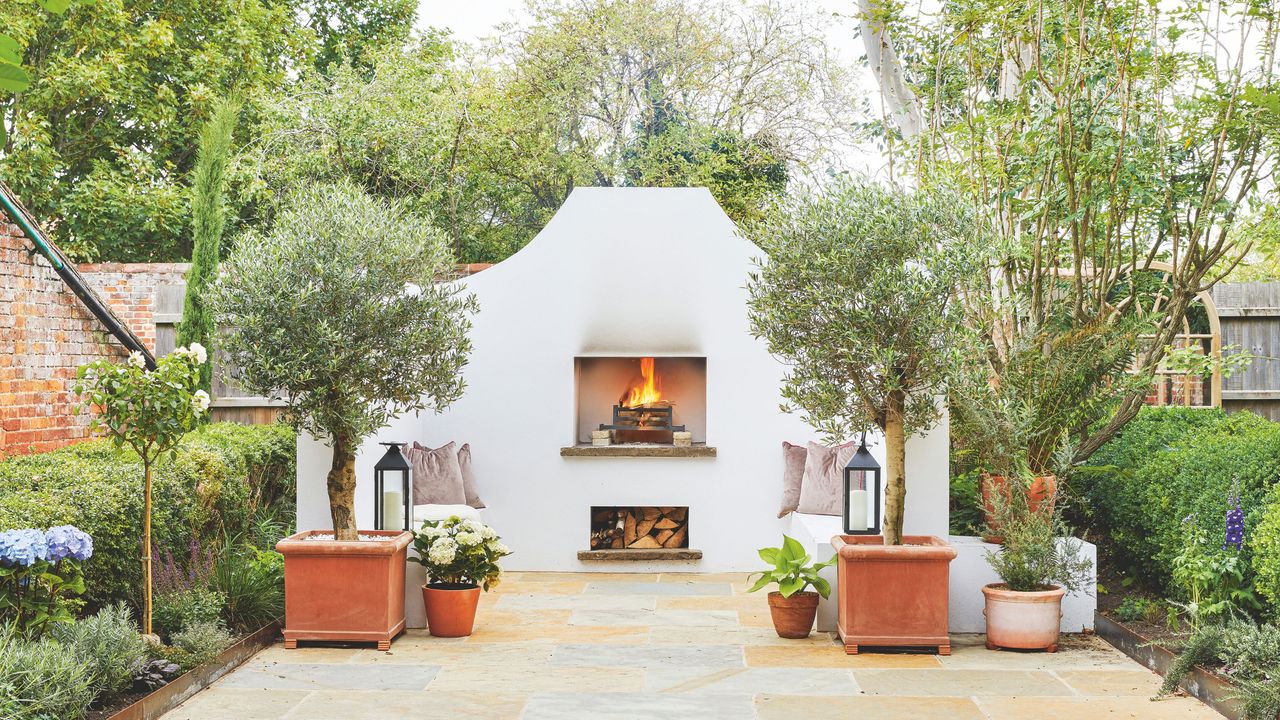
560, 341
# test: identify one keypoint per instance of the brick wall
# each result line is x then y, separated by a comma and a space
45, 334
129, 290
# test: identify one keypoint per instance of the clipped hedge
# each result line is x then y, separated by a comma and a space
1266, 550
1171, 464
223, 478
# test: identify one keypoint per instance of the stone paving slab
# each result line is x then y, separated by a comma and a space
637, 706
330, 676
671, 646
750, 681
663, 656
658, 588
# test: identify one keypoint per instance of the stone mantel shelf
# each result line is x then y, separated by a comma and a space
697, 450
639, 555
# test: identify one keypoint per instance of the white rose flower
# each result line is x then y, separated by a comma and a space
199, 351
136, 359
200, 401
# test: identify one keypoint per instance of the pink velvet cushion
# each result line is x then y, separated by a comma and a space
823, 482
469, 477
437, 475
793, 457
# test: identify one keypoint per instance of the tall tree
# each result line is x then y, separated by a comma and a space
208, 218
1112, 147
354, 32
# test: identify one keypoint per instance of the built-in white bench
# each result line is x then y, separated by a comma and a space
969, 572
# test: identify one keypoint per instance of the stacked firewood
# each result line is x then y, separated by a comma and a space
643, 528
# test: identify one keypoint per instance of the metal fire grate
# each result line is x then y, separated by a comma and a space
645, 423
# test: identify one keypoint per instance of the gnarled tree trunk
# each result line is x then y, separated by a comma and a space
895, 490
342, 489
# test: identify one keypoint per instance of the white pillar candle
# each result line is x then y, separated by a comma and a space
857, 509
392, 510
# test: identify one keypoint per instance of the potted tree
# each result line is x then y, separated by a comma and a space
339, 311
461, 559
1037, 568
792, 606
857, 298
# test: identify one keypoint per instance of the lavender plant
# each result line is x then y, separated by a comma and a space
41, 577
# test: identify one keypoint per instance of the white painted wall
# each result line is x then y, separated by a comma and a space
560, 297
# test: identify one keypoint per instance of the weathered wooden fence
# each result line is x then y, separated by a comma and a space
231, 402
1250, 317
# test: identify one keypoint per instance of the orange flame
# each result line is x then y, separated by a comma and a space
647, 392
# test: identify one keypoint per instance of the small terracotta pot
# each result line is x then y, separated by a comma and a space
451, 611
793, 616
1023, 620
1042, 489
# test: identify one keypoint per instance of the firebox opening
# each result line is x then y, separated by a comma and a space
641, 399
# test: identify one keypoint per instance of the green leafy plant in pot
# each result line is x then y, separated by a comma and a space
461, 558
792, 606
1038, 564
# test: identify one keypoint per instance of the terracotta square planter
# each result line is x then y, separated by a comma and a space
350, 591
893, 595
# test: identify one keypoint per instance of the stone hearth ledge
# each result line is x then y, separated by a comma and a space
697, 450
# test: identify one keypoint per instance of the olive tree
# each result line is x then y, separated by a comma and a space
857, 298
341, 311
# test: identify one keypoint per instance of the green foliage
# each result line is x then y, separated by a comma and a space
251, 584
224, 478
1212, 578
208, 217
1265, 544
108, 645
182, 659
792, 570
1169, 464
37, 596
203, 640
338, 310
1038, 551
965, 506
42, 680
181, 607
1246, 653
102, 141
351, 33
1134, 608
459, 552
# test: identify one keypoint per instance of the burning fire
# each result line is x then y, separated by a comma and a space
647, 392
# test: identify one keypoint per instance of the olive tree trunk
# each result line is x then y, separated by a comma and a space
146, 546
895, 491
342, 489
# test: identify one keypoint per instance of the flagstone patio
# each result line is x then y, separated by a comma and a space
551, 646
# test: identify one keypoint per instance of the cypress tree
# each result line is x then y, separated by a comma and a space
208, 217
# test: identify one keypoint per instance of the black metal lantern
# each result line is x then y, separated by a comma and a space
390, 504
862, 493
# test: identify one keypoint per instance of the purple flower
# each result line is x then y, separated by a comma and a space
1235, 522
23, 547
68, 541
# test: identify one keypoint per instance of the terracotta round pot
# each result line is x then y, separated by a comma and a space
1042, 489
1023, 620
451, 610
793, 616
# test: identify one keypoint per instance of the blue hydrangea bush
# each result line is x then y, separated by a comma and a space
41, 578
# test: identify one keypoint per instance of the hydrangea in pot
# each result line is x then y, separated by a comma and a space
461, 558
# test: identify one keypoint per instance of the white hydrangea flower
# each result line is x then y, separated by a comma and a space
200, 401
136, 359
500, 548
472, 525
441, 554
488, 533
434, 532
469, 539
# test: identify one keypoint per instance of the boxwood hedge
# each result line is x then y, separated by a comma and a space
1172, 465
222, 479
